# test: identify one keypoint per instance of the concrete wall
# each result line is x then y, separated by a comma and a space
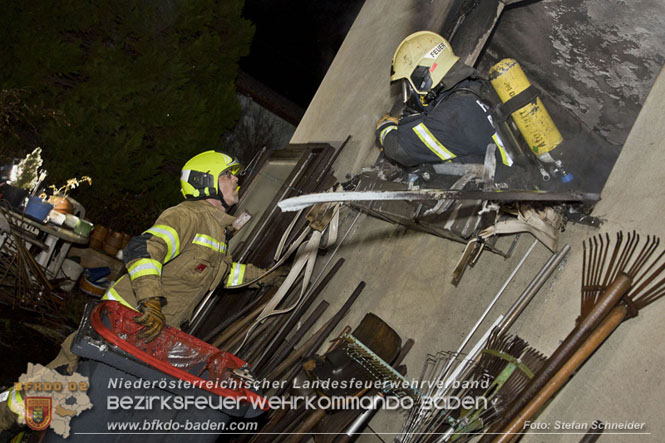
408, 273
356, 91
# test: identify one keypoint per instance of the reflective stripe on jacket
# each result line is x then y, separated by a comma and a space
456, 127
181, 257
112, 294
15, 402
236, 275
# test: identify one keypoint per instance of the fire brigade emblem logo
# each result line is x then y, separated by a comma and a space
38, 412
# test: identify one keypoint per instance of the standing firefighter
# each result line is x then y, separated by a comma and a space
448, 110
174, 263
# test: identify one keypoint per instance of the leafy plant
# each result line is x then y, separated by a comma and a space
72, 183
28, 172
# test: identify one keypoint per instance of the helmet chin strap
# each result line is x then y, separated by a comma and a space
220, 197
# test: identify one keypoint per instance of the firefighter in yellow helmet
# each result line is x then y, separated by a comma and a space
183, 255
447, 115
175, 262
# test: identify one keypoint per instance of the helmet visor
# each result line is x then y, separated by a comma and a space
421, 78
413, 101
236, 169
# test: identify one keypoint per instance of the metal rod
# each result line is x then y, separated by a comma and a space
533, 288
260, 329
240, 314
648, 250
297, 353
492, 303
472, 355
637, 281
201, 312
647, 282
615, 254
238, 325
339, 315
309, 322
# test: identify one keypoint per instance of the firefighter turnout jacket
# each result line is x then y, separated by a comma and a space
180, 258
457, 126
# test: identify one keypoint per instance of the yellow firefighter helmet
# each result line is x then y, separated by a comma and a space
200, 175
422, 59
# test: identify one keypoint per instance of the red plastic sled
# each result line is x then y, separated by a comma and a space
175, 353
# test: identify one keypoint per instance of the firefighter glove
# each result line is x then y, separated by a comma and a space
386, 120
152, 318
275, 278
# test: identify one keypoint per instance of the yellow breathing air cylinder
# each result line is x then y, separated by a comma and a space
533, 120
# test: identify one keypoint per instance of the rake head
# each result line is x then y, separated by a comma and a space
507, 364
600, 268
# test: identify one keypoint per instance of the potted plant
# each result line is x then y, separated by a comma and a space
59, 198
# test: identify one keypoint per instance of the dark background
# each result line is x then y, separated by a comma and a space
295, 42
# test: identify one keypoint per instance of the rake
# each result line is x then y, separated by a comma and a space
420, 419
502, 371
506, 364
615, 287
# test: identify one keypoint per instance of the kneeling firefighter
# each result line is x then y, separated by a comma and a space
174, 263
452, 114
448, 115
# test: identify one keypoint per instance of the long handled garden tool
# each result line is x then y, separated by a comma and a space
612, 290
504, 368
507, 364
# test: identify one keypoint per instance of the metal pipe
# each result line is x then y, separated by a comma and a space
475, 351
532, 289
491, 304
363, 418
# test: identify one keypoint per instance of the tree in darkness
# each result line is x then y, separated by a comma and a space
122, 91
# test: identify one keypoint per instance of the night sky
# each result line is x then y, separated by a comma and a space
295, 42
